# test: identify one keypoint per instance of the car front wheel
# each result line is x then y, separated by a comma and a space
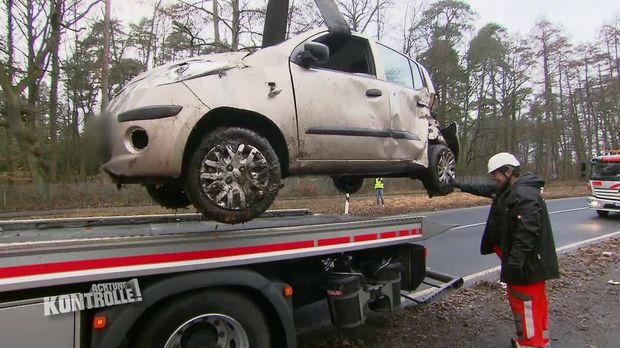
441, 170
233, 176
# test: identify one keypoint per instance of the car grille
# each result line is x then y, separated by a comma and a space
605, 193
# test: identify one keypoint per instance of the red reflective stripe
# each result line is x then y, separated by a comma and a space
415, 231
68, 266
332, 241
403, 233
597, 183
614, 186
364, 237
388, 234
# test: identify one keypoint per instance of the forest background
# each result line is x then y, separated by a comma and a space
553, 103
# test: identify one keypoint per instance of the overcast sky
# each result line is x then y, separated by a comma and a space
580, 19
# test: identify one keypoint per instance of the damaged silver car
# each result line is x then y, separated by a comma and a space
222, 131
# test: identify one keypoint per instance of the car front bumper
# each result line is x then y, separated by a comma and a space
145, 131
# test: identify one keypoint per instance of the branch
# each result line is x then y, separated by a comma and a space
209, 13
79, 17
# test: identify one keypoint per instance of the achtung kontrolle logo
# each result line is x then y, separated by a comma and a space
100, 295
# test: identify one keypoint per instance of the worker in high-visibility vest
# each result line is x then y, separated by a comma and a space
379, 185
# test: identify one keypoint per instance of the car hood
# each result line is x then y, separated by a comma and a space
223, 61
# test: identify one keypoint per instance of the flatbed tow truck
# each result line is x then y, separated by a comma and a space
180, 281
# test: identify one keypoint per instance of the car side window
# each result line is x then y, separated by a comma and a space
397, 69
418, 82
350, 56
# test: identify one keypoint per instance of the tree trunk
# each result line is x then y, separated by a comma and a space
105, 68
33, 86
53, 111
216, 22
235, 25
576, 126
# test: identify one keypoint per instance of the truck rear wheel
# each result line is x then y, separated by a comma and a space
210, 318
233, 176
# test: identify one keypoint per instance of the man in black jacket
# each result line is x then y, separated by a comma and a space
518, 230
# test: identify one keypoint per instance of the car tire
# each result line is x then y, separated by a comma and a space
233, 175
211, 318
602, 213
348, 184
170, 195
441, 169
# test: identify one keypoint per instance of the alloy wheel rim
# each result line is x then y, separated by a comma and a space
446, 167
234, 178
209, 330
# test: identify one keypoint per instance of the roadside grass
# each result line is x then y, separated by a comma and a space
402, 196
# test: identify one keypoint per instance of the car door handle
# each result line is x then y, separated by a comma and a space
422, 104
373, 92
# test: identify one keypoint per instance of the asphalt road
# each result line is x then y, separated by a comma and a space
457, 251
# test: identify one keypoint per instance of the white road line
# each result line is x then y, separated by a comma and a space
550, 213
567, 210
492, 274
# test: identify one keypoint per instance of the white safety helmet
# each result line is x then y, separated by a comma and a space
501, 159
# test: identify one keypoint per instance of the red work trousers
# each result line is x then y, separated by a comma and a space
531, 313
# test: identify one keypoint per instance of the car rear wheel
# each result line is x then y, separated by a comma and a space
211, 318
348, 184
233, 176
602, 213
170, 195
441, 170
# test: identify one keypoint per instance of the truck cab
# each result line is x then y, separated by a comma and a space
604, 184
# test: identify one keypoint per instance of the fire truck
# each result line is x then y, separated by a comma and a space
605, 183
182, 281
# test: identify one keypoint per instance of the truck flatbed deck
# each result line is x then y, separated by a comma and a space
35, 253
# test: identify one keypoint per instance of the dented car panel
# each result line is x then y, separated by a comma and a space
349, 117
166, 137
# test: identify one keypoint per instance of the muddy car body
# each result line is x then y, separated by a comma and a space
221, 131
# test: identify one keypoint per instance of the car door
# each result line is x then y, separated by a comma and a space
409, 105
342, 114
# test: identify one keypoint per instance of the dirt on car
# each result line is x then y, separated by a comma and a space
584, 306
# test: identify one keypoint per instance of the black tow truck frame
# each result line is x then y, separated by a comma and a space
176, 279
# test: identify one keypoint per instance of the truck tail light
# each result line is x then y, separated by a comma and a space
100, 322
288, 291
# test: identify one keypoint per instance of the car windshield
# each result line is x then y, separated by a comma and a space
604, 171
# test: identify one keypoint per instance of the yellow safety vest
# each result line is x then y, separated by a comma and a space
379, 183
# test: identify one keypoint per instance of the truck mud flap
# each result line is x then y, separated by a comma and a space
447, 283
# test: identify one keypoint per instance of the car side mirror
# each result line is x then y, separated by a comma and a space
314, 53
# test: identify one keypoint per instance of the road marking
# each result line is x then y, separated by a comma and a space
492, 274
570, 247
567, 210
550, 213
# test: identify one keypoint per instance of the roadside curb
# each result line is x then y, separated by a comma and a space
492, 274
